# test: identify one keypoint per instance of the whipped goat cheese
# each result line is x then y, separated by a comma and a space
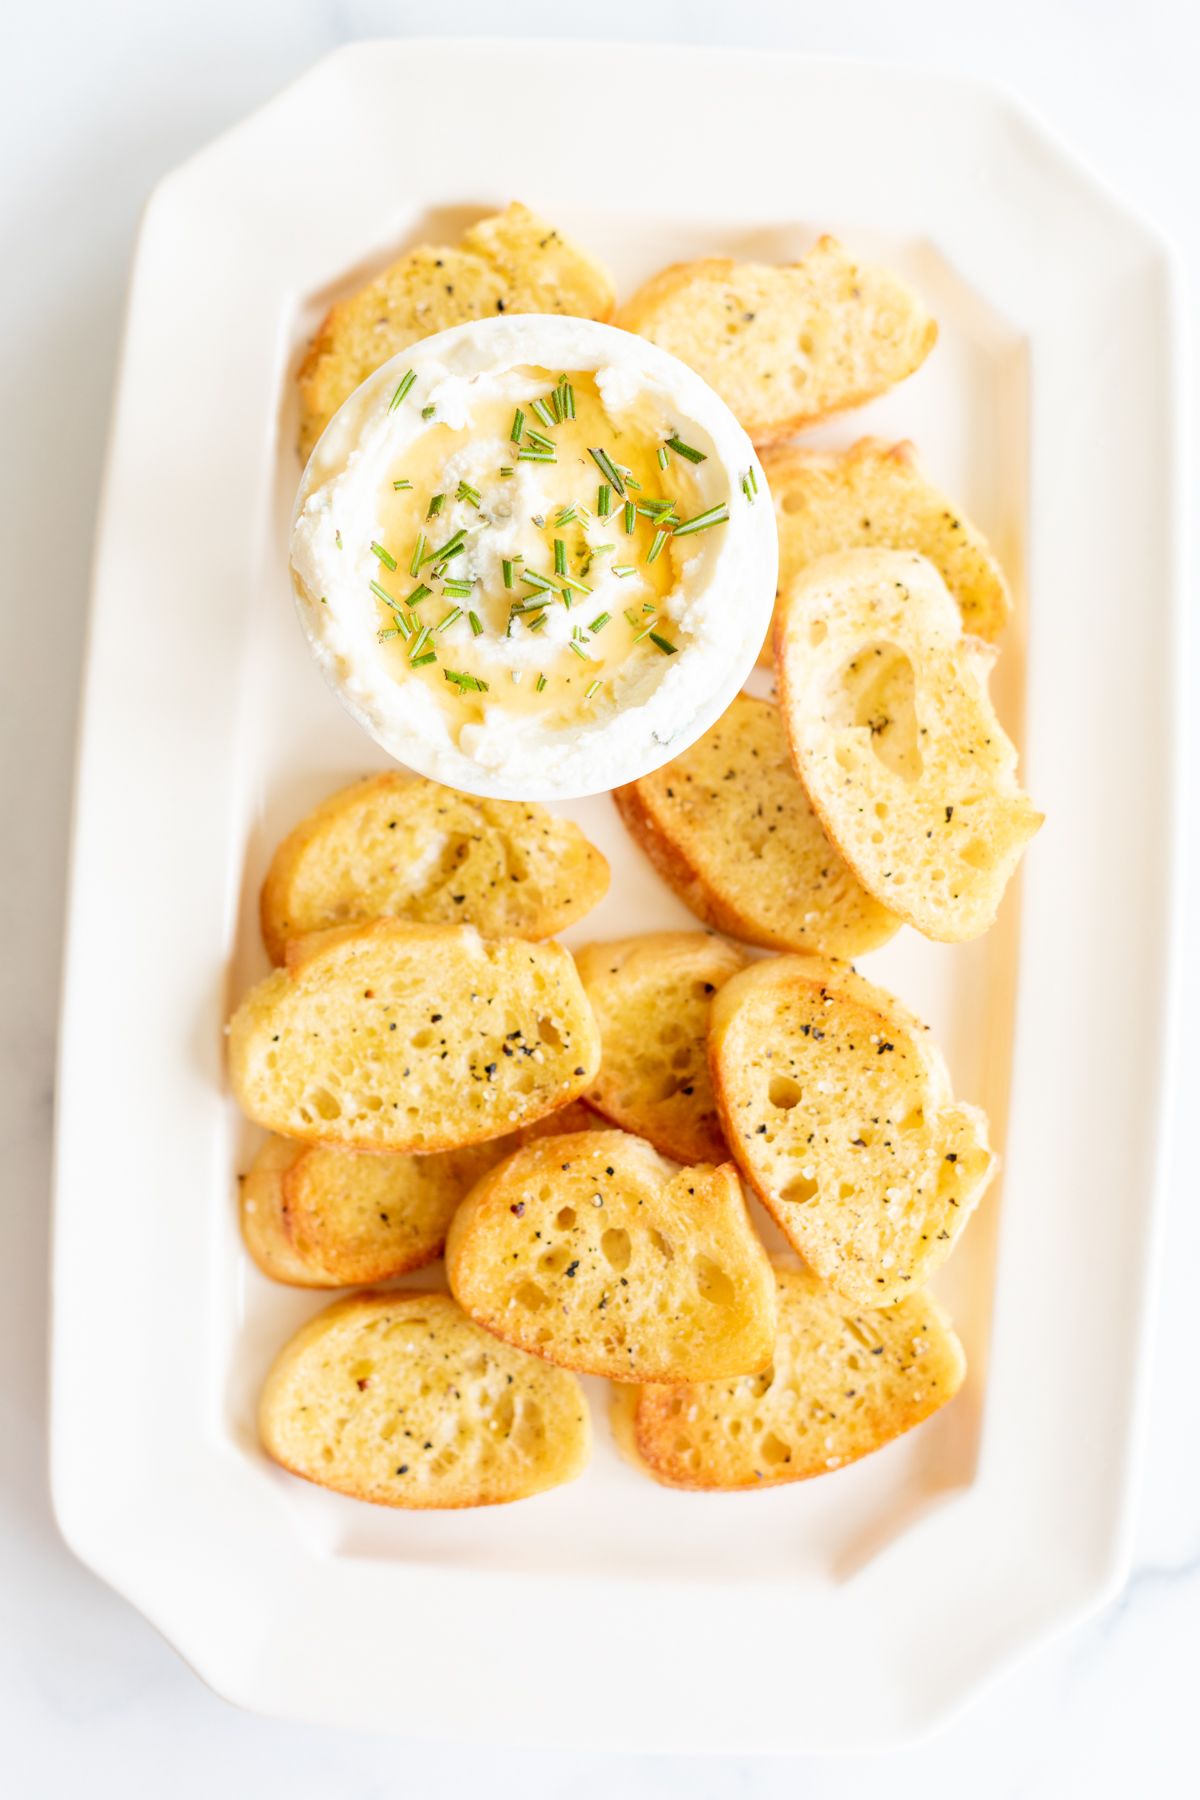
535, 556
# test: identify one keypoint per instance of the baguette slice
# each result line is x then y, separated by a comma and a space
335, 1218
398, 1399
597, 1254
651, 997
511, 262
841, 1385
395, 844
786, 346
876, 495
391, 1036
729, 826
886, 708
838, 1106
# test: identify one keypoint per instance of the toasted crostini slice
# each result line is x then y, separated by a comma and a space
729, 826
596, 1253
399, 1399
392, 1036
837, 1104
894, 736
786, 345
841, 1384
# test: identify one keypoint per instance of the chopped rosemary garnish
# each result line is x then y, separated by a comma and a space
539, 440
457, 590
518, 426
418, 662
462, 679
536, 624
565, 515
531, 604
540, 683
581, 653
454, 614
418, 555
402, 487
450, 548
566, 398
655, 550
476, 624
599, 622
715, 515
435, 506
603, 500
506, 471
422, 639
560, 556
607, 468
664, 644
682, 449
630, 482
543, 456
663, 458
516, 676
750, 485
382, 594
428, 412
385, 556
592, 688
507, 568
419, 593
632, 617
621, 570
630, 515
468, 493
538, 581
405, 387
543, 412
580, 587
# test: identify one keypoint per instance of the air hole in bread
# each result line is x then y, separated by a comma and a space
818, 631
323, 1103
565, 1218
531, 1296
662, 1244
615, 1249
553, 1262
799, 1191
914, 1120
503, 1413
784, 1093
549, 1033
671, 1032
794, 500
977, 855
421, 1040
774, 1450
876, 692
846, 1190
712, 1283
758, 1387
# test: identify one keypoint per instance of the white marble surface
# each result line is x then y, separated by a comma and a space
96, 100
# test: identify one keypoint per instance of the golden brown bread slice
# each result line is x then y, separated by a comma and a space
398, 1399
838, 1106
597, 1254
391, 1036
729, 826
876, 495
511, 262
397, 844
893, 734
841, 1384
651, 996
335, 1218
786, 345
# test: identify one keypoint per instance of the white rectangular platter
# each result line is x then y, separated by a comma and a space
855, 1610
